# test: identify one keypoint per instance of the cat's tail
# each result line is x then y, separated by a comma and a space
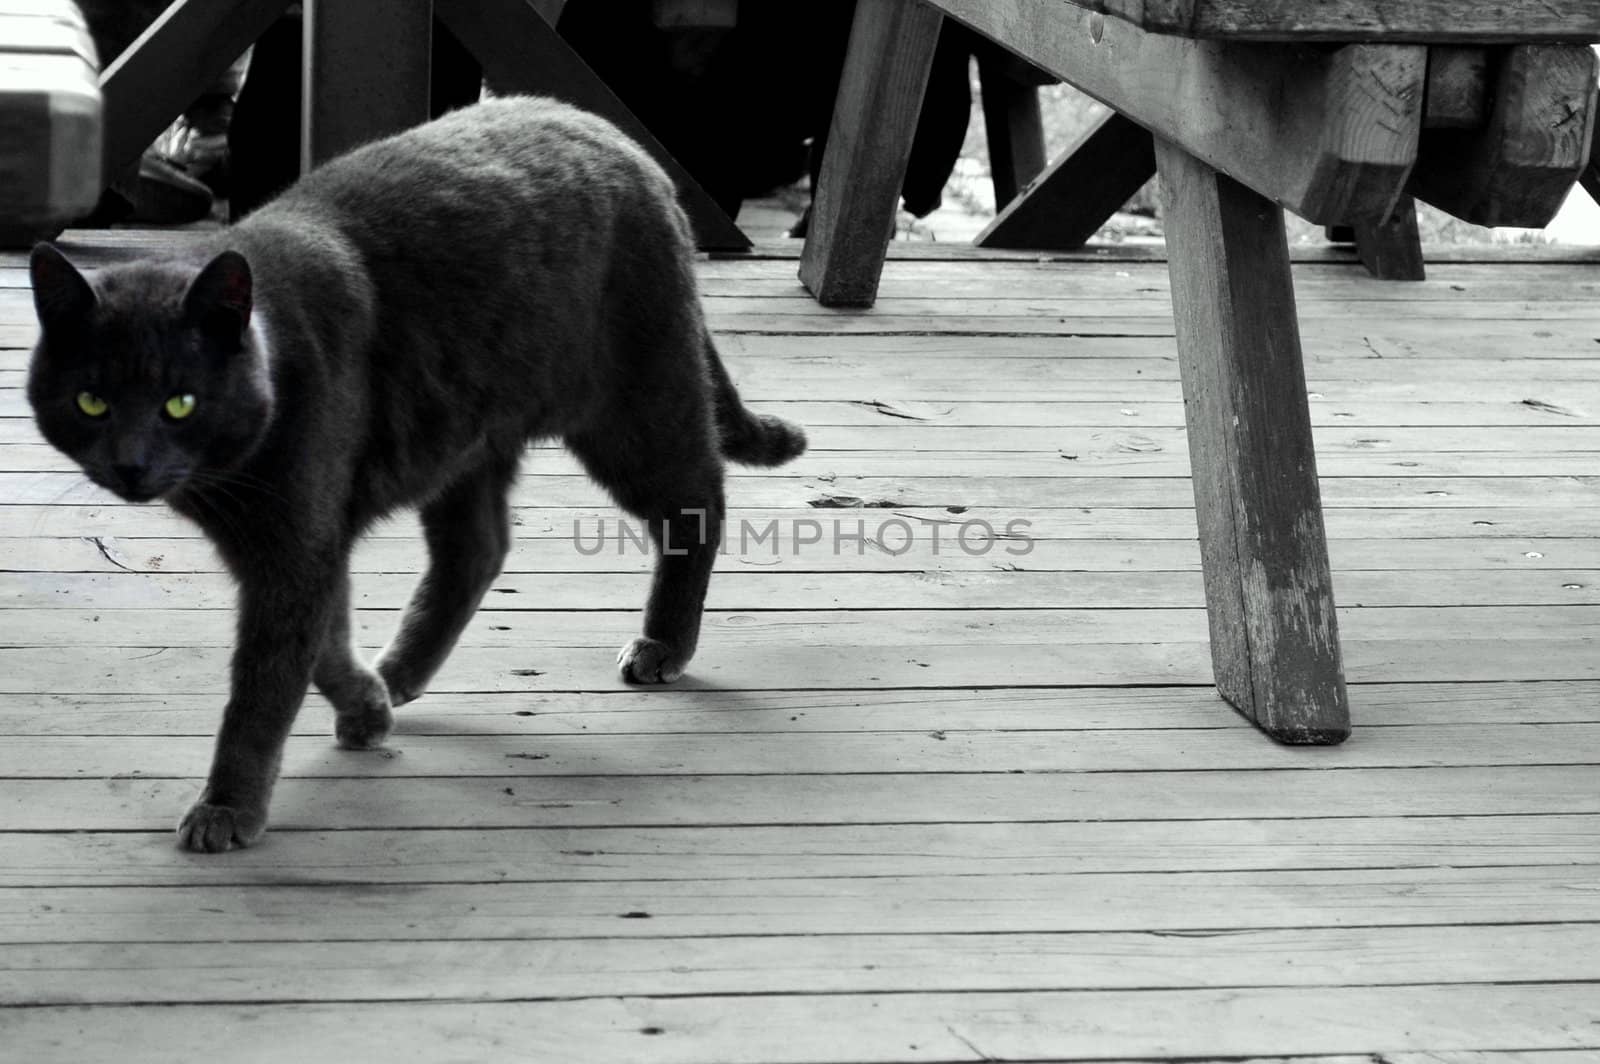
747, 437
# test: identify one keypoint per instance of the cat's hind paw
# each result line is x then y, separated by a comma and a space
647, 660
208, 828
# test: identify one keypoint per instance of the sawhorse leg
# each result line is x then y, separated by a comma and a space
1269, 593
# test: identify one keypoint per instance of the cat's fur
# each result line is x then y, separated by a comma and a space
391, 332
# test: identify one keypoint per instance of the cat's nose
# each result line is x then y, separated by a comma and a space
129, 475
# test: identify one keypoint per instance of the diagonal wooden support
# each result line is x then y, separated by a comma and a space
368, 65
869, 140
521, 52
1072, 199
173, 61
1330, 134
1391, 249
1517, 168
1269, 592
1590, 179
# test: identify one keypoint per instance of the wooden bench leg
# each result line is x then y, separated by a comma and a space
368, 68
1072, 199
1012, 124
1392, 249
1269, 594
874, 119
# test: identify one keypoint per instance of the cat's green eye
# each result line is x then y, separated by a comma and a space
92, 404
180, 406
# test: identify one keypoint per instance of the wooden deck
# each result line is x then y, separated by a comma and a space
907, 806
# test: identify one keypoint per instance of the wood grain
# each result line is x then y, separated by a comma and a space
1354, 20
1274, 633
1331, 135
985, 807
869, 141
1518, 168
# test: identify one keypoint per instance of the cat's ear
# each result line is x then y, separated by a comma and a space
61, 296
220, 298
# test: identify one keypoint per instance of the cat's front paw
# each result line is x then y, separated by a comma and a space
209, 828
403, 687
647, 660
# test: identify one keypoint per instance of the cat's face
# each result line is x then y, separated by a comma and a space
150, 378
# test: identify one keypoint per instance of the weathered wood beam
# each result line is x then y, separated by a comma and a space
1073, 198
1269, 592
869, 140
182, 52
1392, 249
1458, 88
1519, 166
368, 69
1591, 179
521, 52
1331, 134
1363, 20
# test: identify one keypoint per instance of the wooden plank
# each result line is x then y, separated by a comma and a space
947, 1027
970, 450
181, 549
521, 52
1330, 135
128, 803
666, 712
1535, 523
367, 68
1590, 179
1356, 20
937, 752
869, 142
185, 49
1391, 249
920, 583
879, 624
177, 973
886, 493
1103, 463
1071, 200
1518, 168
806, 905
1274, 634
751, 853
143, 670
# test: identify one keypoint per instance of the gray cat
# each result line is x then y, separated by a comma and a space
392, 331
